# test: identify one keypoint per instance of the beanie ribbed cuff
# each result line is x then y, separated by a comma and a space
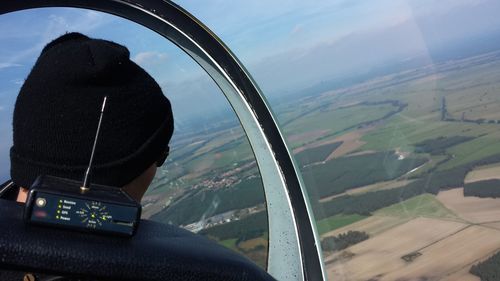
24, 171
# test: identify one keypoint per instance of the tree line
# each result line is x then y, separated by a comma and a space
343, 240
488, 270
431, 182
486, 188
364, 204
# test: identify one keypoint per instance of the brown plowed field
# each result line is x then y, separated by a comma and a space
462, 275
445, 247
473, 209
483, 173
350, 142
369, 188
495, 225
451, 255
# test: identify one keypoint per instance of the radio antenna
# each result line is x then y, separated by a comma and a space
85, 185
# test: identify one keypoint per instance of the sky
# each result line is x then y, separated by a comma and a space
290, 44
286, 45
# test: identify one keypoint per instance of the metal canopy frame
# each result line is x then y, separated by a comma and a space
294, 248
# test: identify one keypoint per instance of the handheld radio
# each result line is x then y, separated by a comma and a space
82, 206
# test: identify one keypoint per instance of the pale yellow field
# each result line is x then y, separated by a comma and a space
495, 225
472, 209
378, 186
350, 142
483, 173
447, 249
380, 256
368, 188
450, 255
462, 275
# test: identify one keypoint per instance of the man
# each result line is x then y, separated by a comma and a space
57, 111
54, 125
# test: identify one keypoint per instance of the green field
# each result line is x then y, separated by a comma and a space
256, 249
229, 243
440, 145
403, 131
334, 121
222, 157
425, 205
474, 150
338, 221
316, 154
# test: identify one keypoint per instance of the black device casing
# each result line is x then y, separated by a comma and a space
117, 202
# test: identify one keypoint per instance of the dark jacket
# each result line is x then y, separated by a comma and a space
9, 191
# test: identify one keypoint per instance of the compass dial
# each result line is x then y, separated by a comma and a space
94, 214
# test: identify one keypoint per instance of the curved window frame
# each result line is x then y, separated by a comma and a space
294, 248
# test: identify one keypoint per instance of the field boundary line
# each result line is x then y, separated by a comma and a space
443, 238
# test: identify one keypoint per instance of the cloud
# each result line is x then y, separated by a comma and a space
8, 64
146, 59
18, 81
83, 21
41, 26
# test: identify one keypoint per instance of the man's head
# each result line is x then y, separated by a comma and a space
57, 112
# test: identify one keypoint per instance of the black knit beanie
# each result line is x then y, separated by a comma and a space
58, 107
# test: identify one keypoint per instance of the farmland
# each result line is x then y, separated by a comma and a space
456, 151
461, 150
334, 120
340, 174
485, 189
337, 221
453, 219
388, 157
472, 209
381, 255
424, 205
483, 173
316, 154
208, 203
